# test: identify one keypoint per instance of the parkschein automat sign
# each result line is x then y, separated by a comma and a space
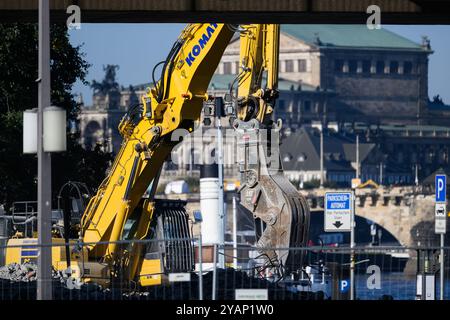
338, 211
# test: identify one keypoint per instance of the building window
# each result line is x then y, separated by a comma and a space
237, 68
227, 68
352, 66
400, 157
281, 105
302, 65
301, 157
289, 66
380, 67
393, 67
407, 67
366, 64
287, 157
307, 105
339, 66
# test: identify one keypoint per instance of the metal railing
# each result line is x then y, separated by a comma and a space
391, 272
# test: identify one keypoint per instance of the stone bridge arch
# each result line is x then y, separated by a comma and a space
401, 213
386, 221
363, 236
399, 216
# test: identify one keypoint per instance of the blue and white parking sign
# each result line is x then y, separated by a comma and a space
440, 208
338, 211
344, 285
441, 187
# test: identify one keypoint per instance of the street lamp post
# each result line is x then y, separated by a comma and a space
44, 271
321, 158
218, 113
416, 174
381, 173
357, 158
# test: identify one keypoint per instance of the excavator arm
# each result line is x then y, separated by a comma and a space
174, 103
281, 213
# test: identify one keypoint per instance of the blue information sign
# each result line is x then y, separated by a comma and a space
441, 187
338, 201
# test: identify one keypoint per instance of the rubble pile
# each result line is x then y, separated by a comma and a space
19, 272
19, 282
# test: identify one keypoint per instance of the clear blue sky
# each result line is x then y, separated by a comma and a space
136, 48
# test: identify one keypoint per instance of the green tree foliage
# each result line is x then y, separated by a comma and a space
19, 91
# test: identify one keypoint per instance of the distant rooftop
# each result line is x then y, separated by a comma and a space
398, 127
349, 35
300, 151
223, 82
434, 106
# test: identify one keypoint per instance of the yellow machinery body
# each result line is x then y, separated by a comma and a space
175, 103
25, 250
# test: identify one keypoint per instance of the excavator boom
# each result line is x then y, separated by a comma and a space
174, 103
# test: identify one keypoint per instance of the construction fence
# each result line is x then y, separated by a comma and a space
187, 269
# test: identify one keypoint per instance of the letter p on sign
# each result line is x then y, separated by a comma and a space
344, 285
441, 186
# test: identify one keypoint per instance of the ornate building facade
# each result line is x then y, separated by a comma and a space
347, 78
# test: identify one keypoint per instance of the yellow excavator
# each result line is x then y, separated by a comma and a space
119, 211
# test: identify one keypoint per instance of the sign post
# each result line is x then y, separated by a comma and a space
44, 196
352, 246
199, 219
340, 217
440, 221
